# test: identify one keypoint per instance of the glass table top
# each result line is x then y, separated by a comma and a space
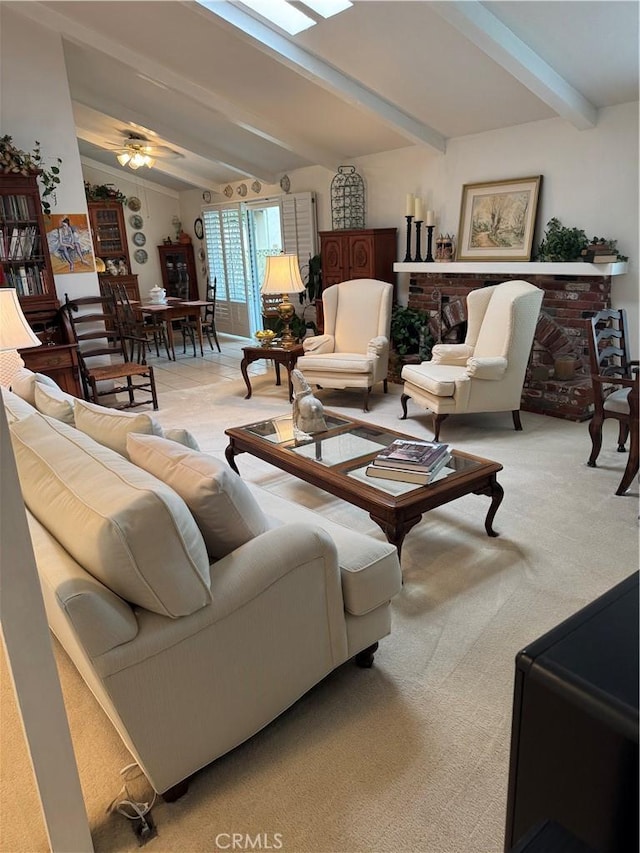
349, 447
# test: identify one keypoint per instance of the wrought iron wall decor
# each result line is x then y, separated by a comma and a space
347, 199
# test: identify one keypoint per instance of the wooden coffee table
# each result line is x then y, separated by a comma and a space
336, 460
279, 355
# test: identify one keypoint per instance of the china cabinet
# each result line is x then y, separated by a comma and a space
178, 266
109, 236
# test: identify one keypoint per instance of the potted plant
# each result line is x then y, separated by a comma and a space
103, 192
411, 340
560, 243
14, 161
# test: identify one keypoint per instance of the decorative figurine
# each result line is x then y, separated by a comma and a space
308, 417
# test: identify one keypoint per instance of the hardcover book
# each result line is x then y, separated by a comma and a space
410, 475
416, 455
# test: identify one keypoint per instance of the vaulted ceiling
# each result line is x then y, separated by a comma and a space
224, 97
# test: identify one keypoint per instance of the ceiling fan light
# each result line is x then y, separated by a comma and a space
150, 161
123, 158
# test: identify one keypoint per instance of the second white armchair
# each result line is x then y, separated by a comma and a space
353, 352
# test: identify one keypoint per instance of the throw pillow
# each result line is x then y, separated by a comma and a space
224, 509
23, 383
110, 427
15, 407
54, 402
182, 436
125, 527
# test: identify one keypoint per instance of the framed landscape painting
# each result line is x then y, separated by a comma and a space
497, 220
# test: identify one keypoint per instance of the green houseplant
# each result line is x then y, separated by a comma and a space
103, 192
14, 161
410, 332
560, 243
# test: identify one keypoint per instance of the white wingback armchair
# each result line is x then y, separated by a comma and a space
353, 352
485, 373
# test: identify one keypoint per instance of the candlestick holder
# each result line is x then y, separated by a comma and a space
407, 257
418, 257
429, 257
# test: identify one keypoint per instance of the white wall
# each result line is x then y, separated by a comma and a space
590, 181
159, 206
35, 105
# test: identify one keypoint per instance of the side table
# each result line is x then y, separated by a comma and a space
278, 355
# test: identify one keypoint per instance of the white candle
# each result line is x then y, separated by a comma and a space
410, 203
431, 218
418, 210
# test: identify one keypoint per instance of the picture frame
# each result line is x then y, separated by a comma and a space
198, 228
497, 220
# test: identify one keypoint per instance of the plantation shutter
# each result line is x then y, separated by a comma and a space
299, 231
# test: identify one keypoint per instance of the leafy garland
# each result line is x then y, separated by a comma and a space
103, 192
14, 161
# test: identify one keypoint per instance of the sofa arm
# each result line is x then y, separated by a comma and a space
487, 368
378, 346
456, 354
319, 344
298, 560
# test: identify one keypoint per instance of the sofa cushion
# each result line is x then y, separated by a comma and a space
54, 402
121, 524
15, 407
224, 509
110, 427
23, 383
182, 436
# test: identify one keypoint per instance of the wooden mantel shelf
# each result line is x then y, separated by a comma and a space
509, 268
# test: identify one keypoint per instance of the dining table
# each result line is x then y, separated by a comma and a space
175, 309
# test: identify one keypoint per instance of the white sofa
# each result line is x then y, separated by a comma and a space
188, 654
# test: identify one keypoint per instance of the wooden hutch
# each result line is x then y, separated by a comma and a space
356, 253
109, 236
26, 266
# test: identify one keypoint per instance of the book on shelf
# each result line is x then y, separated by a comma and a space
409, 475
600, 259
416, 455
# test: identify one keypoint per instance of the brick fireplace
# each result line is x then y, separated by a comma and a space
569, 300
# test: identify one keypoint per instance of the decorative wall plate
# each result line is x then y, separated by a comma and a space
256, 186
136, 221
201, 254
139, 239
228, 191
198, 228
206, 196
134, 203
242, 190
285, 183
141, 256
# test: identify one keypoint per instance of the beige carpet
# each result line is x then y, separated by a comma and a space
411, 755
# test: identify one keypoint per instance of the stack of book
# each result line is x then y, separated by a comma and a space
599, 253
410, 461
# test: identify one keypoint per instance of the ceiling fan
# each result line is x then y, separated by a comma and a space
138, 151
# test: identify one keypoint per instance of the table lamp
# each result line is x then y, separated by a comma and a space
282, 276
15, 333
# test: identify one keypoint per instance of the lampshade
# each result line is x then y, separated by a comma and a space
135, 156
282, 275
15, 333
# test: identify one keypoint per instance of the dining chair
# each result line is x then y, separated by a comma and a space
614, 380
103, 356
189, 326
139, 332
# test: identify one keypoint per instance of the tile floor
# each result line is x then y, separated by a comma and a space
189, 372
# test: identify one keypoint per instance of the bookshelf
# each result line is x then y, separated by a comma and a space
24, 253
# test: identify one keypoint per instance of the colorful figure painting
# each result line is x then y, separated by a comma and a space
70, 244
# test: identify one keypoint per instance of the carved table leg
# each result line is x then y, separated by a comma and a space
243, 370
230, 454
495, 491
277, 366
395, 533
364, 658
